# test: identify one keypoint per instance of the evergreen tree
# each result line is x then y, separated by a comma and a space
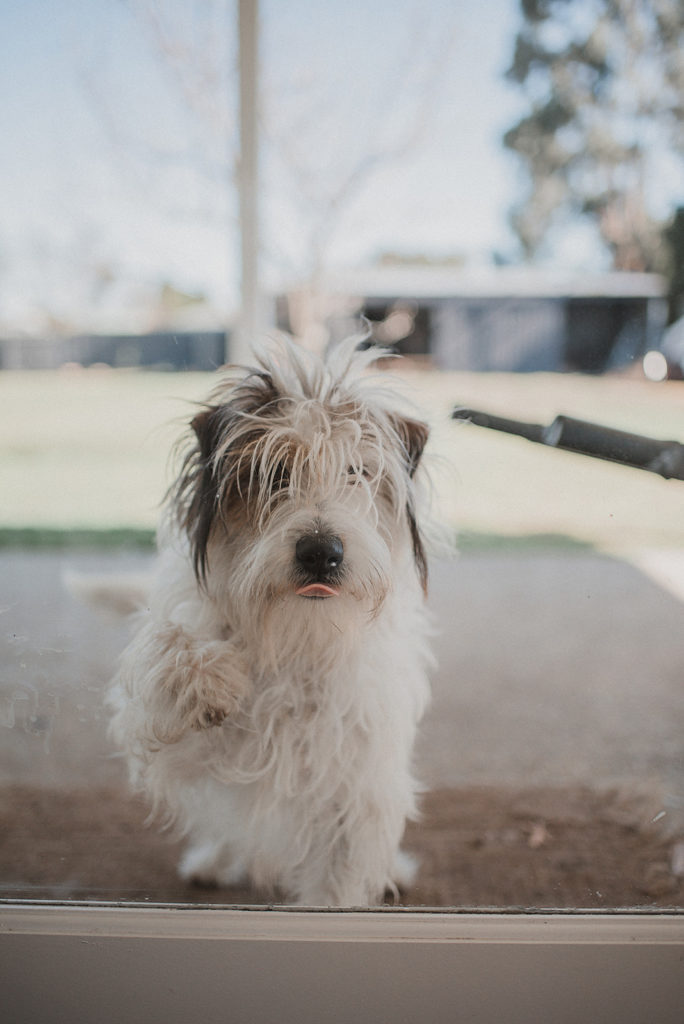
605, 85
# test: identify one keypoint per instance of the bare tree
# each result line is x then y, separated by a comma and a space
323, 136
184, 128
335, 138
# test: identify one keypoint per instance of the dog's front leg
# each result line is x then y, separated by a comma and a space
196, 683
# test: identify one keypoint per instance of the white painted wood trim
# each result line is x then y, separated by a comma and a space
288, 925
173, 965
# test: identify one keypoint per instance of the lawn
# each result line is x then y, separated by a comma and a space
89, 450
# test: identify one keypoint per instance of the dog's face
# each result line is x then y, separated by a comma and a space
299, 492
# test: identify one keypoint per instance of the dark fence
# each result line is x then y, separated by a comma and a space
178, 350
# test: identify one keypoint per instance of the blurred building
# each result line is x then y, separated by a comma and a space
505, 319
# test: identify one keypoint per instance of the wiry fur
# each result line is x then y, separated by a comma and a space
277, 730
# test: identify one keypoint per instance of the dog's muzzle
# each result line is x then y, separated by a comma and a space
320, 556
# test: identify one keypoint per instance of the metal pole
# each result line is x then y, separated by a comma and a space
663, 457
249, 320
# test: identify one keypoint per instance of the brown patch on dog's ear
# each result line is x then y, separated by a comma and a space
205, 480
413, 435
203, 484
206, 425
419, 554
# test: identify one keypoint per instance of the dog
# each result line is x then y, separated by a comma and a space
269, 700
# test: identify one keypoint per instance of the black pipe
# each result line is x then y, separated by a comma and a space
663, 457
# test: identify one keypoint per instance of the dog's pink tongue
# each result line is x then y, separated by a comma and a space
316, 590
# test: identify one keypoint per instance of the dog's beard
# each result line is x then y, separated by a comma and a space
254, 579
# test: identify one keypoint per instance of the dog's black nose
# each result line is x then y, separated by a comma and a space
319, 553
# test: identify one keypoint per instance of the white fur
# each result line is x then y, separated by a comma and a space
276, 730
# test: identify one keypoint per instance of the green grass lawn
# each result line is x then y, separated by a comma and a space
89, 450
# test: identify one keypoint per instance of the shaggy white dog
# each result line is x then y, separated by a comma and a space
269, 702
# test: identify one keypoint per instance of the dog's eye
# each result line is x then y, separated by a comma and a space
357, 472
280, 478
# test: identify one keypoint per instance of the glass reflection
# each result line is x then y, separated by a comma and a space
552, 752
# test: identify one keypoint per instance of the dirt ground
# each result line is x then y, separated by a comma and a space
478, 847
553, 753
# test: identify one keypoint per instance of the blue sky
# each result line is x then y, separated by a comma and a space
92, 172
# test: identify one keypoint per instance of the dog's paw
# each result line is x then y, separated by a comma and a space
220, 683
204, 679
207, 717
405, 869
209, 866
171, 639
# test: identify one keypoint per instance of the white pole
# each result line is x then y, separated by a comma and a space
249, 321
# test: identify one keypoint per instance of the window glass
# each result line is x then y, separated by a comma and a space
392, 162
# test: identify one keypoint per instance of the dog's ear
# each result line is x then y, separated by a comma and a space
419, 554
413, 435
205, 476
207, 427
202, 484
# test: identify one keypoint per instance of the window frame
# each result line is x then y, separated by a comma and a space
114, 962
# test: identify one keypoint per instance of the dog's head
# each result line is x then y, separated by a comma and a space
300, 483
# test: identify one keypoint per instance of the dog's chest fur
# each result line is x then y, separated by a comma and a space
305, 726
